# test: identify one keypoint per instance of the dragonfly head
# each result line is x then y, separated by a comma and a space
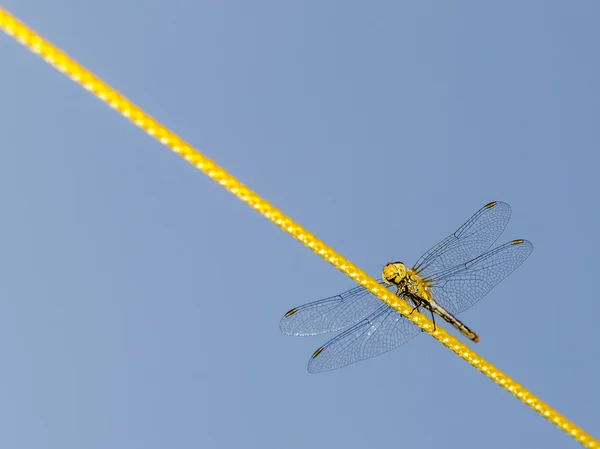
393, 273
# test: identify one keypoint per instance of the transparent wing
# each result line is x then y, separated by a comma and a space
459, 288
331, 314
382, 331
477, 235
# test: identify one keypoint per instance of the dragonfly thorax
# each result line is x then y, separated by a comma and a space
394, 273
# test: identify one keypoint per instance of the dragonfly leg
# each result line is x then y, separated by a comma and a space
417, 304
415, 308
433, 319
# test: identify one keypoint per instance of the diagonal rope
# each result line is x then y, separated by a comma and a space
86, 79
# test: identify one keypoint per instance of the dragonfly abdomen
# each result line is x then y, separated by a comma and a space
455, 322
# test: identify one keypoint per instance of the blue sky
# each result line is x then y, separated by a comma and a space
140, 302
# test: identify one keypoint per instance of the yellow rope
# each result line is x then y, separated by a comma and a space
80, 75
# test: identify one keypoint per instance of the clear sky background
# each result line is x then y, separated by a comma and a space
140, 302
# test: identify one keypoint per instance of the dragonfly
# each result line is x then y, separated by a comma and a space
447, 280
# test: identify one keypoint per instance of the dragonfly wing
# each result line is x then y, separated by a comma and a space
473, 238
382, 331
459, 288
331, 314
